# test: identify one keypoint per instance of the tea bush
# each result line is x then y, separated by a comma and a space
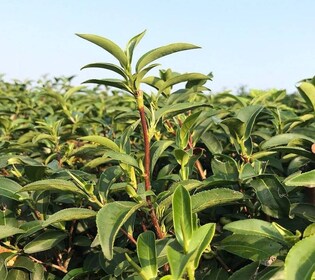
171, 183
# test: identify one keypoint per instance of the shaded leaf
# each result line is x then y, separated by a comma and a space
157, 149
248, 115
108, 66
44, 241
9, 189
110, 219
272, 196
303, 210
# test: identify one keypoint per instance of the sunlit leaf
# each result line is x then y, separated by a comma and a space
107, 45
162, 51
300, 261
69, 214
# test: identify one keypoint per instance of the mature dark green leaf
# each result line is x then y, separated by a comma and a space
52, 184
303, 210
175, 109
110, 219
107, 179
108, 66
9, 189
253, 247
248, 115
157, 149
246, 272
45, 241
224, 167
272, 196
75, 273
236, 127
214, 197
283, 139
69, 214
255, 227
18, 274
120, 84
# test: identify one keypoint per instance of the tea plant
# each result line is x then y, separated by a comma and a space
175, 183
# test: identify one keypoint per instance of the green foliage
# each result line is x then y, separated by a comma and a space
173, 183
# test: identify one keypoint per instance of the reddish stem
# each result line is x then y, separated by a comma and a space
147, 183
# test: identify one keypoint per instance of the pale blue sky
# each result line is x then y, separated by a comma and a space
258, 43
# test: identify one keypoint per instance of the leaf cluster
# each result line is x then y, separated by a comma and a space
117, 183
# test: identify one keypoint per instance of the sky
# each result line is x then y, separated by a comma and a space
259, 44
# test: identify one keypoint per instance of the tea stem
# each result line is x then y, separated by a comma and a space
147, 183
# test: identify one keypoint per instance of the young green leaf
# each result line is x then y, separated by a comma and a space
178, 261
104, 141
182, 216
132, 43
108, 46
300, 261
200, 240
162, 51
307, 91
146, 250
7, 231
182, 78
306, 179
